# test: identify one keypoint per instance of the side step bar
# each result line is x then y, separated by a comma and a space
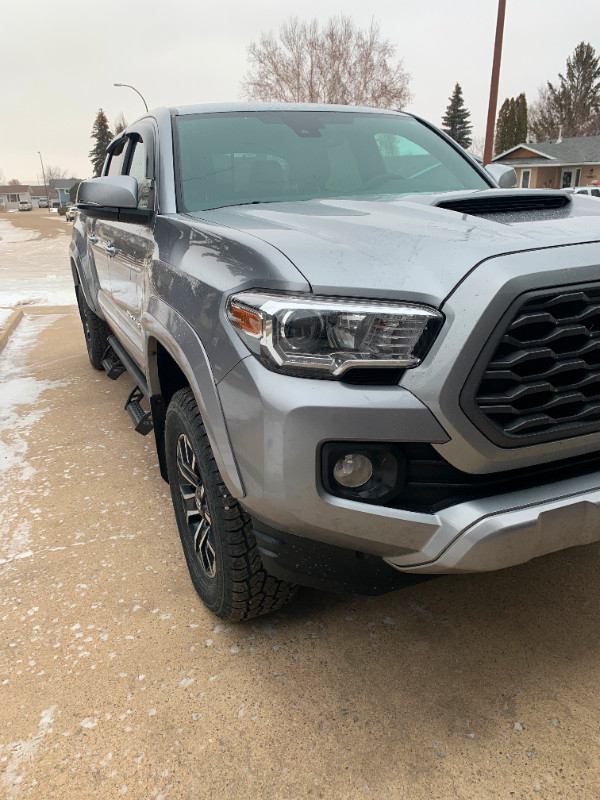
112, 366
115, 361
142, 420
127, 363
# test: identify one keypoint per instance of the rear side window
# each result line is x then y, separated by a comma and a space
117, 158
138, 170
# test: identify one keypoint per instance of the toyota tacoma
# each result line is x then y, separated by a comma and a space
360, 353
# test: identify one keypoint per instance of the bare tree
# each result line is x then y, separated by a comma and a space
477, 146
54, 173
120, 123
14, 182
338, 63
2, 178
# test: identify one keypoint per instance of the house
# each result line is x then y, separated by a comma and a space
38, 193
59, 196
556, 163
10, 196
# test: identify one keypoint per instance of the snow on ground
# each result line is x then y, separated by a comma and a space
10, 234
20, 408
5, 314
34, 271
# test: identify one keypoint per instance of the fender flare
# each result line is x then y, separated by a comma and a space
166, 326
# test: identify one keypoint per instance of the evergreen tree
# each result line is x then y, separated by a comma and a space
521, 122
73, 192
511, 125
456, 120
101, 133
573, 101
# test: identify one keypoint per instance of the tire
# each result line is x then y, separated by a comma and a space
216, 533
96, 331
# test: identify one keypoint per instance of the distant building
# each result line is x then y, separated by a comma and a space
38, 193
60, 191
556, 163
10, 196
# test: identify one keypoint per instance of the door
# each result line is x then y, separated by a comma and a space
99, 232
567, 179
131, 247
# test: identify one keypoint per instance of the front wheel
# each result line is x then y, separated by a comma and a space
215, 531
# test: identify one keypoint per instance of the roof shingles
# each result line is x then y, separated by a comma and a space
576, 150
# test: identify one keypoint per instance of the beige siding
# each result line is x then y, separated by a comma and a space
547, 177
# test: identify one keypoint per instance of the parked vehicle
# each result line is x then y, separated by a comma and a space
43, 203
359, 354
71, 213
25, 205
593, 191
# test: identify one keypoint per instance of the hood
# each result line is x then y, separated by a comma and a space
406, 248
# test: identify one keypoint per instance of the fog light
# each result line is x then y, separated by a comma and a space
353, 470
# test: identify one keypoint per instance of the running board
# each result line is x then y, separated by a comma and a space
142, 420
116, 360
128, 364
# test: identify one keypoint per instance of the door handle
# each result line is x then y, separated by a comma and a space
93, 239
111, 250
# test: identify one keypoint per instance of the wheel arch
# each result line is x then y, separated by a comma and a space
82, 285
173, 361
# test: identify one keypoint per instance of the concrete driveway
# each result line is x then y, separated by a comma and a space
116, 682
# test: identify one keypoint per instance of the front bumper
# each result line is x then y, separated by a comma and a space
509, 529
277, 425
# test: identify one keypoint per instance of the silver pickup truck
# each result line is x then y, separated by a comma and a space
361, 354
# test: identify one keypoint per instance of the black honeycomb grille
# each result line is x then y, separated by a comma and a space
542, 381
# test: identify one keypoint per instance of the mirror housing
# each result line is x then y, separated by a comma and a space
117, 191
504, 176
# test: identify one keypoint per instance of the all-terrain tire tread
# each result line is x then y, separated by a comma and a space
96, 331
255, 592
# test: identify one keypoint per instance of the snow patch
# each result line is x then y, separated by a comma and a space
34, 270
20, 395
23, 752
9, 234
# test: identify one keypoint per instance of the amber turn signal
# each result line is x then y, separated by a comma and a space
248, 321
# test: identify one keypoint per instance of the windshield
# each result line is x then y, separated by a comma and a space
278, 156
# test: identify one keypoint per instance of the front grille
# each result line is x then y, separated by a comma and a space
541, 381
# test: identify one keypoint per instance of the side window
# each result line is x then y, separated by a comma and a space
116, 158
138, 170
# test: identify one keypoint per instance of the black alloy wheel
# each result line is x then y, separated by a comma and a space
215, 531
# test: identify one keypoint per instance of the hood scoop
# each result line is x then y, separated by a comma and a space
498, 201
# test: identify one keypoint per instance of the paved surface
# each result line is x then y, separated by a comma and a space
114, 681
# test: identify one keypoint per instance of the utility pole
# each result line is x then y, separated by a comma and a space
44, 176
491, 118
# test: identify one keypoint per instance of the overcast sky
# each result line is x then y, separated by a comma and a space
59, 60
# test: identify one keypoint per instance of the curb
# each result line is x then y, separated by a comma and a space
12, 323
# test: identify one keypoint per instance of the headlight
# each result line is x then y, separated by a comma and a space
323, 337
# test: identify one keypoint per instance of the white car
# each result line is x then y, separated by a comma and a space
593, 191
70, 215
25, 205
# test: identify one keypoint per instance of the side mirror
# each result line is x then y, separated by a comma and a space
118, 191
504, 176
